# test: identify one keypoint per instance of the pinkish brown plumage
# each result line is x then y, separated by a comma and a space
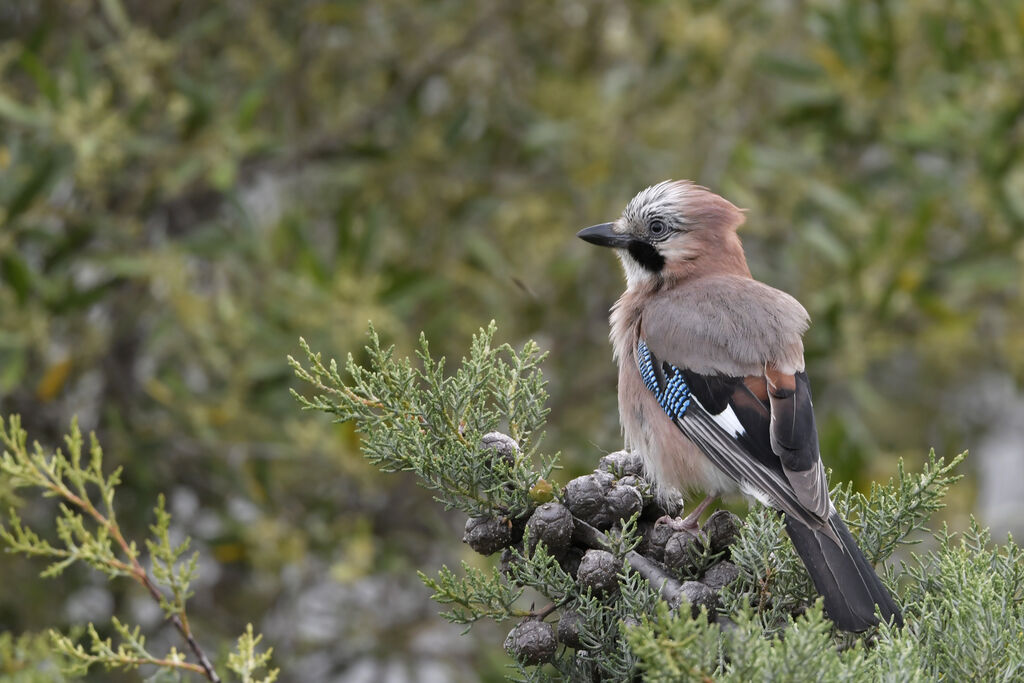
712, 388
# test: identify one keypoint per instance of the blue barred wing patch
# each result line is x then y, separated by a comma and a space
674, 397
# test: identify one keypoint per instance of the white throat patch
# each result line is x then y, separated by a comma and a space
636, 275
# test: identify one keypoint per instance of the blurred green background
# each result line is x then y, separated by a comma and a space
186, 187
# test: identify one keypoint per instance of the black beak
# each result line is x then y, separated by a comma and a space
603, 236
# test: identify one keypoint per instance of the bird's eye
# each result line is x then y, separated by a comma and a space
657, 227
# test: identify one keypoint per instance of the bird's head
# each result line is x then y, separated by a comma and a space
671, 231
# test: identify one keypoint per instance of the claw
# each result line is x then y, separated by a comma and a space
691, 522
680, 524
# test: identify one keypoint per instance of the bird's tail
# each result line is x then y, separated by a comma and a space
842, 575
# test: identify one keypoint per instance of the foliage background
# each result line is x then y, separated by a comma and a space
186, 187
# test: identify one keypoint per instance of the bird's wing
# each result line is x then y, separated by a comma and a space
794, 438
759, 430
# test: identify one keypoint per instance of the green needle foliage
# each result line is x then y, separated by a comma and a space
962, 603
893, 512
476, 595
963, 599
419, 420
28, 658
88, 531
773, 577
248, 663
130, 653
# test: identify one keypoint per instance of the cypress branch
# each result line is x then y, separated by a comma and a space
615, 581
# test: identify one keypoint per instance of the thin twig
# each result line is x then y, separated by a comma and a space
138, 572
180, 622
669, 587
540, 614
162, 663
182, 625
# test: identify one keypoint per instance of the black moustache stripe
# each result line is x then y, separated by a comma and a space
647, 256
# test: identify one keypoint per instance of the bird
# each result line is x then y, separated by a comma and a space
712, 387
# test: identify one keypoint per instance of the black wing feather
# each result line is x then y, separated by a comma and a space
771, 447
718, 392
728, 453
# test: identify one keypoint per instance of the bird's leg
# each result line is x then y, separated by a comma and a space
690, 522
692, 519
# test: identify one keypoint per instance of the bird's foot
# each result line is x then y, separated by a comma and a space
680, 524
691, 522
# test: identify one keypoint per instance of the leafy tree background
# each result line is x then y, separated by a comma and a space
186, 187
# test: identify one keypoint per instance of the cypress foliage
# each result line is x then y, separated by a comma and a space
591, 585
625, 597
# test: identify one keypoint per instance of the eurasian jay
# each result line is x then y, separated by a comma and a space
712, 388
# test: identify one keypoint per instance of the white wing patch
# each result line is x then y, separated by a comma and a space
726, 419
